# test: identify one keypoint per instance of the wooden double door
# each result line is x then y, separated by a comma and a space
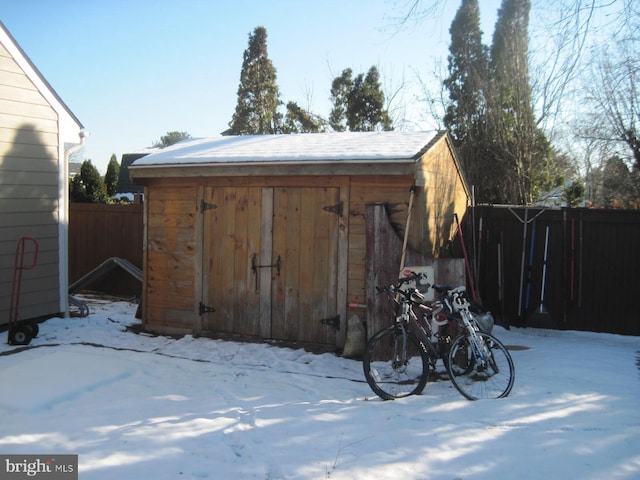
270, 262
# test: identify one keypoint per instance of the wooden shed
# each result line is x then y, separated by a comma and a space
38, 133
266, 236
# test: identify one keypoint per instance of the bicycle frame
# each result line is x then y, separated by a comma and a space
461, 305
408, 317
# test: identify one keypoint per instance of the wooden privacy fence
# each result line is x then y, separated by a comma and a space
592, 266
593, 263
99, 232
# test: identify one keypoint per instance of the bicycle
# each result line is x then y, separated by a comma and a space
400, 359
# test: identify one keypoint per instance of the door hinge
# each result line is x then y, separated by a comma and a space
332, 322
202, 309
338, 208
206, 206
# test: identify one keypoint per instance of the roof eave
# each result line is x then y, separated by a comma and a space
404, 166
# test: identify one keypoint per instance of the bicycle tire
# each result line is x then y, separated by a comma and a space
476, 379
388, 377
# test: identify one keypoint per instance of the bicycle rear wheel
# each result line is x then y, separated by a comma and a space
489, 376
396, 363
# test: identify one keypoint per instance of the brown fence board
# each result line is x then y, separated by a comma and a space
592, 266
98, 232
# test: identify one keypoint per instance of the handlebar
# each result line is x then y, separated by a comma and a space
401, 281
396, 287
414, 276
456, 294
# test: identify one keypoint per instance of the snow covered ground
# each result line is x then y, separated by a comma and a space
142, 407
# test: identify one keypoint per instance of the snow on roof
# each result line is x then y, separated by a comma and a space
304, 147
145, 150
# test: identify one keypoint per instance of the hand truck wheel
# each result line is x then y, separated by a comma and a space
20, 335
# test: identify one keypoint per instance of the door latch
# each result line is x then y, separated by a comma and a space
255, 267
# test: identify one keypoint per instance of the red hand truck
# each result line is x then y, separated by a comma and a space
21, 332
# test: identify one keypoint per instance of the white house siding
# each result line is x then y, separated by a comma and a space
34, 126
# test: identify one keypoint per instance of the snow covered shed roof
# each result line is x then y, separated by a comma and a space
306, 147
395, 153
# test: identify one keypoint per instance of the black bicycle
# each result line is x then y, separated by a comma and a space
399, 360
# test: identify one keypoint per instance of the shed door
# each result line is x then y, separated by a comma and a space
270, 261
231, 235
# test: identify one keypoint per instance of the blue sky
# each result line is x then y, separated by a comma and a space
132, 70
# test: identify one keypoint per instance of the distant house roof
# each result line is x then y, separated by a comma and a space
74, 168
304, 148
124, 180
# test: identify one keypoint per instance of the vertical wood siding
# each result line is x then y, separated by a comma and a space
442, 196
231, 238
271, 258
392, 191
170, 255
305, 235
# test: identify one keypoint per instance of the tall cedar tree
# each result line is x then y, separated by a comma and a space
358, 103
520, 151
258, 94
111, 177
340, 90
467, 83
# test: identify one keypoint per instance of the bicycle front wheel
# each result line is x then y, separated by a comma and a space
396, 363
488, 373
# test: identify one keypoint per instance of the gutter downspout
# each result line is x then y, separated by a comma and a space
63, 224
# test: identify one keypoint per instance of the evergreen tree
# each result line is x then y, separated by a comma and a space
258, 94
518, 146
170, 138
299, 120
87, 186
618, 187
77, 191
467, 84
574, 193
367, 112
358, 104
341, 88
111, 177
